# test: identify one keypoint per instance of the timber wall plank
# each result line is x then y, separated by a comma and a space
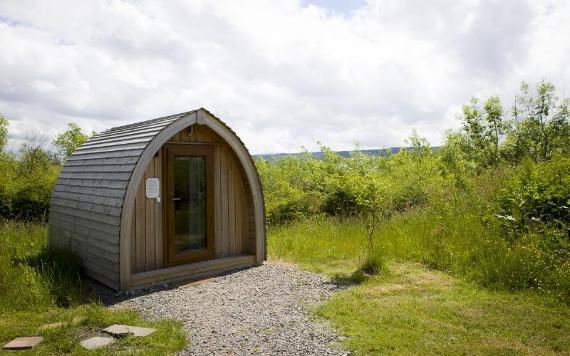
147, 234
233, 208
87, 203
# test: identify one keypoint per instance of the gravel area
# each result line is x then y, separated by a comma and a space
262, 310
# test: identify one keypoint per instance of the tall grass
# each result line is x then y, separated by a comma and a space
33, 276
321, 244
453, 237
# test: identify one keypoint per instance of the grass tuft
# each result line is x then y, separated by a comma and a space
374, 263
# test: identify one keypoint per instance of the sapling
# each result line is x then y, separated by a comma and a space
372, 199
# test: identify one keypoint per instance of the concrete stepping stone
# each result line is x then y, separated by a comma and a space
119, 330
22, 343
96, 342
140, 331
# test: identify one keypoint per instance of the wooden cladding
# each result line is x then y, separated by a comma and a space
99, 209
233, 217
147, 252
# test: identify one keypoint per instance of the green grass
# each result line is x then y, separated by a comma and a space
85, 321
39, 285
329, 246
454, 286
453, 239
416, 310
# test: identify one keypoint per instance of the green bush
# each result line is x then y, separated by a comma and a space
537, 200
301, 186
29, 175
25, 188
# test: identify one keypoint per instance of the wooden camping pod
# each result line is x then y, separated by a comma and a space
101, 210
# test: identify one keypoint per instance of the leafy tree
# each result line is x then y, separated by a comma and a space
33, 155
473, 125
495, 126
371, 192
3, 132
67, 142
36, 170
540, 124
419, 146
455, 161
484, 128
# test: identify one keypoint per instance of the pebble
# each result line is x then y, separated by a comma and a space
263, 310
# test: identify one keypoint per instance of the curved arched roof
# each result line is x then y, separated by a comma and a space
90, 206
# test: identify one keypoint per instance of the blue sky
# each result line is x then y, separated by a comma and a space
345, 7
283, 74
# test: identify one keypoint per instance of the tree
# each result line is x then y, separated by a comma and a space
371, 194
540, 123
36, 172
33, 155
3, 132
67, 142
419, 146
494, 123
484, 128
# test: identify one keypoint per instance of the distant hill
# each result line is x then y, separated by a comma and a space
319, 155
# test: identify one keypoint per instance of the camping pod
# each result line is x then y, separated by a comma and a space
172, 198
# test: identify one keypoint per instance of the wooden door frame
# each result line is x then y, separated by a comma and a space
170, 151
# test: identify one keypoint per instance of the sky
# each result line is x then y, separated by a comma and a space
283, 74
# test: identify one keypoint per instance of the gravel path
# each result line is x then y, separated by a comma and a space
261, 310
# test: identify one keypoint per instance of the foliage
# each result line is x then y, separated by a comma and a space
483, 128
68, 141
457, 229
540, 124
362, 185
3, 133
452, 237
538, 127
491, 205
537, 200
27, 179
290, 189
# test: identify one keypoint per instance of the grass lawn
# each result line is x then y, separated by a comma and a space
416, 309
40, 286
84, 321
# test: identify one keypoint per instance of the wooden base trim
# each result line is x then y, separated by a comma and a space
191, 270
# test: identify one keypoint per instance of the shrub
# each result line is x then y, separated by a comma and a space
537, 200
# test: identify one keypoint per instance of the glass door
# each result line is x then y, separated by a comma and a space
190, 186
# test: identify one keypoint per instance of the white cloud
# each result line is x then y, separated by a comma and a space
282, 74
